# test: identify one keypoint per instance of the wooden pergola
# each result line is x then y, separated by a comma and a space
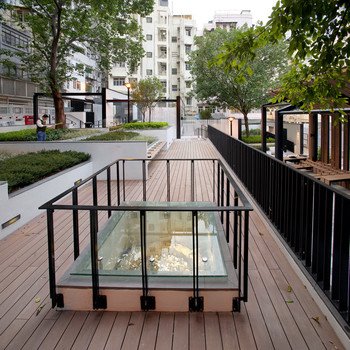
334, 140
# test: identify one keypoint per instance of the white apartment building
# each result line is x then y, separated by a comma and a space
168, 41
229, 20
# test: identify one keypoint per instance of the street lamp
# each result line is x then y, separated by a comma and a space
230, 120
128, 86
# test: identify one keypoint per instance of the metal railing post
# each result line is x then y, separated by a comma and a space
118, 184
75, 224
227, 212
109, 195
144, 197
168, 179
56, 299
98, 301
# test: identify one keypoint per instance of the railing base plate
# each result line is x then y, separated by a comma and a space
196, 304
100, 302
236, 305
148, 303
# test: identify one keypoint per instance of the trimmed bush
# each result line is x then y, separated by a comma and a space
255, 139
145, 125
26, 169
121, 136
205, 114
51, 134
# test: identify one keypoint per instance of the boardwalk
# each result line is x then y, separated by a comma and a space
280, 313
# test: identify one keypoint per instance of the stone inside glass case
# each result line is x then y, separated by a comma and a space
169, 245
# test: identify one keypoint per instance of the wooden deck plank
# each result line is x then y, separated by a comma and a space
68, 337
265, 314
228, 331
165, 331
181, 331
134, 331
103, 330
56, 332
87, 331
197, 331
149, 333
212, 331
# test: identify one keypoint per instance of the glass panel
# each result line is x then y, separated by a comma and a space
168, 241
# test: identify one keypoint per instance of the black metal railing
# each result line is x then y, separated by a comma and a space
312, 218
225, 198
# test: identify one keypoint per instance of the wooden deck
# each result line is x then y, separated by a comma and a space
280, 313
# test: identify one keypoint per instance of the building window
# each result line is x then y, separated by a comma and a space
188, 65
149, 54
149, 72
149, 19
78, 85
118, 81
173, 87
189, 101
174, 39
164, 85
173, 70
188, 84
188, 48
163, 2
188, 31
120, 64
148, 36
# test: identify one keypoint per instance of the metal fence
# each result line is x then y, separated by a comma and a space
312, 218
226, 198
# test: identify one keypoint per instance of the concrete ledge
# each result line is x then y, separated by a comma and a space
26, 201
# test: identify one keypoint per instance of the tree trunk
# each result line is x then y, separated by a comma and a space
59, 109
246, 124
149, 114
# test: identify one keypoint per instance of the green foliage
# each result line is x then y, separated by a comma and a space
113, 136
23, 170
236, 69
145, 125
205, 114
254, 139
51, 134
146, 93
318, 45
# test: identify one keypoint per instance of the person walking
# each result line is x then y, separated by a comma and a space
41, 128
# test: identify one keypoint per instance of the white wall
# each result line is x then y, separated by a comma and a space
26, 202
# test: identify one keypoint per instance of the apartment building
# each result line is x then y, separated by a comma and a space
168, 41
228, 20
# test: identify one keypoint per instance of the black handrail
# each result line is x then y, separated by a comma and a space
222, 206
312, 218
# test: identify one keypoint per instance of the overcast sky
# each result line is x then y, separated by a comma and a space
203, 10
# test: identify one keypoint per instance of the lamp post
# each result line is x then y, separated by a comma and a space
128, 86
230, 120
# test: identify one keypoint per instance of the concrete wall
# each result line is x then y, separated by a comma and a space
26, 202
168, 135
102, 152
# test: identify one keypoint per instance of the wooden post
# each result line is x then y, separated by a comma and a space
346, 144
336, 142
313, 131
263, 129
325, 138
278, 135
104, 107
301, 139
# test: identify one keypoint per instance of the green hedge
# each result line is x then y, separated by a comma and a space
145, 125
26, 169
51, 134
255, 139
114, 136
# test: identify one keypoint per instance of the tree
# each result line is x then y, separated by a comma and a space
316, 34
146, 93
60, 28
226, 79
318, 43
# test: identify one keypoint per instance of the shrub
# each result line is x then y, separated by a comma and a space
51, 134
25, 169
205, 114
145, 125
113, 136
255, 139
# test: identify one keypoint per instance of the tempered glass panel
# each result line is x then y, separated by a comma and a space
169, 245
